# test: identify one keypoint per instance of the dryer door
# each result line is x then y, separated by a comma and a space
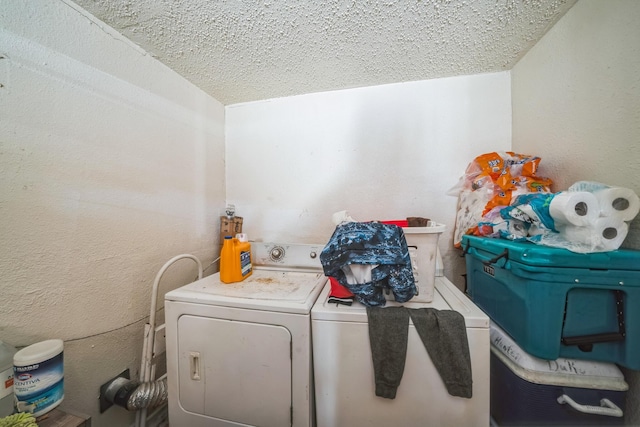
235, 371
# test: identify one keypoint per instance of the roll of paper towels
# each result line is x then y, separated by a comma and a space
574, 208
619, 202
606, 233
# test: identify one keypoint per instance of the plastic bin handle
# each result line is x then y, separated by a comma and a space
504, 254
607, 408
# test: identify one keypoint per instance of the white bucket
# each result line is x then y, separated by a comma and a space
38, 381
423, 250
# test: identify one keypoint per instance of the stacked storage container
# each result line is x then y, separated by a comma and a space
526, 390
555, 304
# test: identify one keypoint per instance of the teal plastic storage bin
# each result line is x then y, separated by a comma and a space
556, 303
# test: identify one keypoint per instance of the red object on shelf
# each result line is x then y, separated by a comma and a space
399, 222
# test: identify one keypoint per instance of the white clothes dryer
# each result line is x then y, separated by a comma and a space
344, 376
240, 354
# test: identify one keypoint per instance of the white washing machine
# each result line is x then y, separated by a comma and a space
344, 378
240, 354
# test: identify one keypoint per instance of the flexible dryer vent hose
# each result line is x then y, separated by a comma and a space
134, 396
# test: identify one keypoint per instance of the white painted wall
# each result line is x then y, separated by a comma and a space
111, 164
576, 102
383, 152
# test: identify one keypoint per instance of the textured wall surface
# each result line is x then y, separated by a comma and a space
241, 51
384, 152
576, 104
112, 164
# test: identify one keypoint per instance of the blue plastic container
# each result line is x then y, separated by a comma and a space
556, 303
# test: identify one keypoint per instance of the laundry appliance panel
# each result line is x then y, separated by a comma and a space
344, 376
217, 385
240, 354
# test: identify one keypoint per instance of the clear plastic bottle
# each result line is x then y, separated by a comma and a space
235, 260
6, 379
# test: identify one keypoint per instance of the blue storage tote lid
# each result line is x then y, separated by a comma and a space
546, 256
559, 372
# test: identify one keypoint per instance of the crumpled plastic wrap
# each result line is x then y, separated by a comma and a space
500, 196
490, 183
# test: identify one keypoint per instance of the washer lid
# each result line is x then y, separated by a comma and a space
272, 290
445, 297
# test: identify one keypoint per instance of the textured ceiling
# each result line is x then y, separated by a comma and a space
241, 50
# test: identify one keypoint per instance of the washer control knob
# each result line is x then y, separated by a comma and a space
313, 254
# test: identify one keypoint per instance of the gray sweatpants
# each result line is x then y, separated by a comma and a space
444, 335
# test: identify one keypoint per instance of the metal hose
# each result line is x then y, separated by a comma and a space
135, 396
148, 395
